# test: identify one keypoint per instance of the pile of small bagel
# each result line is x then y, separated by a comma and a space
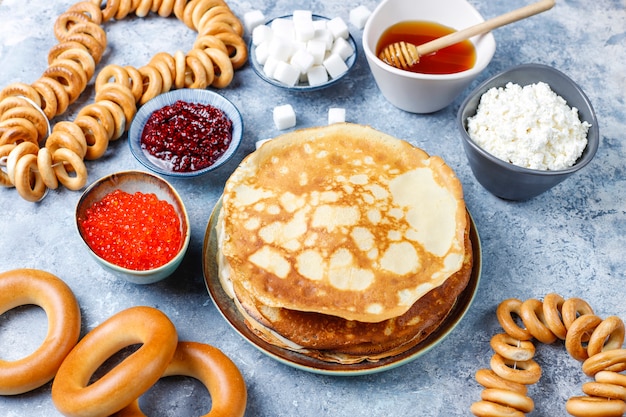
39, 157
71, 361
594, 341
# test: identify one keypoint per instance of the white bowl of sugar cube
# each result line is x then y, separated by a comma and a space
302, 51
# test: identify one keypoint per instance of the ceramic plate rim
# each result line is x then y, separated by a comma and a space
258, 68
189, 95
302, 362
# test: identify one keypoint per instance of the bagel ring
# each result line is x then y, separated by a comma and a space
594, 407
608, 335
609, 377
490, 409
512, 399
224, 73
28, 182
578, 332
62, 156
237, 49
505, 312
44, 165
30, 286
100, 113
132, 377
215, 370
81, 57
552, 306
70, 80
5, 150
88, 8
65, 21
609, 360
604, 390
119, 119
120, 95
20, 89
511, 348
532, 315
17, 129
63, 98
572, 309
18, 152
96, 136
152, 83
489, 379
523, 372
197, 76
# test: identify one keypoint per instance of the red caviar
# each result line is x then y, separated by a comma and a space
135, 231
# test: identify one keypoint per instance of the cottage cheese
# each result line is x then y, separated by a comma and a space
529, 126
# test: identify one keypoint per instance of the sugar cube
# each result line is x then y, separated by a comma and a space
284, 117
359, 16
286, 73
260, 34
336, 115
335, 65
342, 48
252, 19
338, 28
317, 75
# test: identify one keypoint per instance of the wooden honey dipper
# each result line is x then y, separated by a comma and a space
403, 55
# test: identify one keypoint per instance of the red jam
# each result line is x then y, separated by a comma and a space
187, 136
135, 231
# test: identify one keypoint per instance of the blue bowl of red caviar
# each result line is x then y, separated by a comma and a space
135, 225
186, 132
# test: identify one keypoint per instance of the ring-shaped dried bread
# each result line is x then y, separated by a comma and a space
28, 180
608, 335
490, 409
552, 306
508, 398
18, 152
60, 158
212, 368
44, 165
89, 9
505, 313
579, 331
16, 130
33, 115
5, 150
609, 360
581, 406
63, 98
65, 21
572, 309
489, 379
96, 136
604, 390
532, 315
20, 89
31, 286
512, 348
523, 372
72, 393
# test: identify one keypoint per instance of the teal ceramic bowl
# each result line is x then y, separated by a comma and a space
131, 182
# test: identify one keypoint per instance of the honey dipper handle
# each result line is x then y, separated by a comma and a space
484, 27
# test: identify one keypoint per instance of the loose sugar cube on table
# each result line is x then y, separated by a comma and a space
336, 115
284, 117
252, 19
359, 16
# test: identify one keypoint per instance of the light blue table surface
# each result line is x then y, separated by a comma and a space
569, 240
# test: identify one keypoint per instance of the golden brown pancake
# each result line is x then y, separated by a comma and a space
342, 220
334, 339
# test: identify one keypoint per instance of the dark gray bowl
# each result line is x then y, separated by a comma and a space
509, 181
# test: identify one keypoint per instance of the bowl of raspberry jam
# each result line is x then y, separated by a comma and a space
186, 132
135, 225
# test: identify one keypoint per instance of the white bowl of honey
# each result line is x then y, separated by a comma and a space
438, 78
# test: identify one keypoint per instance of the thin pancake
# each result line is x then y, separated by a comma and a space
342, 220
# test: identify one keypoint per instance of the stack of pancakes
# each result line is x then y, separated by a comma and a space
343, 243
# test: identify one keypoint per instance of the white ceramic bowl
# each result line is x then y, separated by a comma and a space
130, 182
424, 93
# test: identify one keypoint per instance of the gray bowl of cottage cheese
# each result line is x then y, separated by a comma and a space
526, 130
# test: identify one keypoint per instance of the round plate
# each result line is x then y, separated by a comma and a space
189, 95
258, 68
229, 311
